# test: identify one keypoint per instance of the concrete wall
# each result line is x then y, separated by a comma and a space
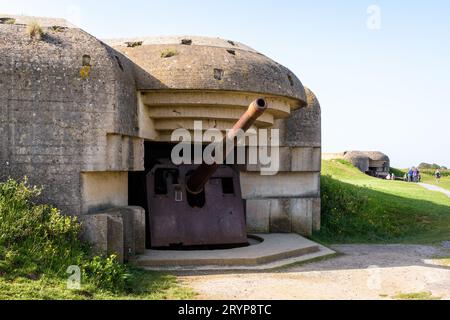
289, 200
56, 114
362, 163
103, 190
282, 185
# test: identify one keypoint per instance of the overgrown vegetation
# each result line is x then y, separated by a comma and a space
359, 208
168, 53
398, 172
34, 31
38, 244
7, 20
57, 28
134, 44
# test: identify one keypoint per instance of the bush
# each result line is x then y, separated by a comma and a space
36, 240
168, 53
8, 20
398, 172
106, 273
35, 31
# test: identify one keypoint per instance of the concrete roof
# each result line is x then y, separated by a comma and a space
201, 63
167, 63
373, 155
43, 21
312, 100
175, 40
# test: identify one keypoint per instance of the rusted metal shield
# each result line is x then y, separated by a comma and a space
175, 222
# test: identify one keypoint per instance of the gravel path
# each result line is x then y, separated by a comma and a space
435, 188
361, 272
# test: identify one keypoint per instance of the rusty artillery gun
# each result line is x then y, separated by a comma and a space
200, 205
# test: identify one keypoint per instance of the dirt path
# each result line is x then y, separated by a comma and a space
435, 188
362, 272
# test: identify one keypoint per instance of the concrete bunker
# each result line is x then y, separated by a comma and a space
372, 163
92, 138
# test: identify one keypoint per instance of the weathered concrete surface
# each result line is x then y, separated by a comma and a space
133, 230
119, 231
209, 64
294, 159
43, 21
282, 185
57, 109
283, 215
105, 233
103, 190
304, 127
289, 201
173, 109
276, 250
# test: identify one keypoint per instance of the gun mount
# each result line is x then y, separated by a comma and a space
200, 205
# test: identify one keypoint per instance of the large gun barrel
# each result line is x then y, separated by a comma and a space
204, 172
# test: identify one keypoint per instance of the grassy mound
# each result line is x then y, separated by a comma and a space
38, 244
359, 208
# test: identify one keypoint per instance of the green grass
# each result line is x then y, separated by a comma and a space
361, 209
416, 296
147, 286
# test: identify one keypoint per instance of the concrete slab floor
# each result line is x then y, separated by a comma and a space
277, 250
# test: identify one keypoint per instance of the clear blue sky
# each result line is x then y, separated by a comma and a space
386, 89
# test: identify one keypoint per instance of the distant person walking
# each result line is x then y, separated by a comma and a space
437, 174
416, 175
410, 175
